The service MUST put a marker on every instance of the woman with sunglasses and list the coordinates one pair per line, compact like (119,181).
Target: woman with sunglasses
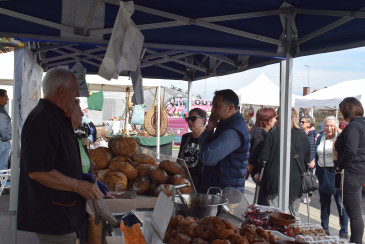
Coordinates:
(189,148)
(307,124)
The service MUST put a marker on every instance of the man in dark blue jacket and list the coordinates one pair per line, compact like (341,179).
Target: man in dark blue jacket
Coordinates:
(224,145)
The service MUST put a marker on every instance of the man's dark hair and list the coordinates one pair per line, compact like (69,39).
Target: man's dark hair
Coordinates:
(2,92)
(228,96)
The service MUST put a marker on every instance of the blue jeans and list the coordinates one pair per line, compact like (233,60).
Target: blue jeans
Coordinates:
(4,154)
(325,200)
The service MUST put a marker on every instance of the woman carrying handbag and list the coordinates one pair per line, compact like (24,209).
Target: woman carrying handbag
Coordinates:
(325,171)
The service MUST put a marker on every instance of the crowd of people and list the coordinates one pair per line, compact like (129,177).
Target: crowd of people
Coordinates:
(221,151)
(226,152)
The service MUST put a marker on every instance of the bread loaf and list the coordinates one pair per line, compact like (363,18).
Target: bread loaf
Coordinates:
(100,157)
(123,146)
(116,181)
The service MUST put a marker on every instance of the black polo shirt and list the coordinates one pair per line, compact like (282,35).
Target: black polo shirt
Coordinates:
(48,142)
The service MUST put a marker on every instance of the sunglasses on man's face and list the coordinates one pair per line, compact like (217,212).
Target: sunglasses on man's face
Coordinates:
(302,122)
(192,118)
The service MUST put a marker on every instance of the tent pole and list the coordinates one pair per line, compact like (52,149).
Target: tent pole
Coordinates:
(190,85)
(285,117)
(15,147)
(158,134)
(336,114)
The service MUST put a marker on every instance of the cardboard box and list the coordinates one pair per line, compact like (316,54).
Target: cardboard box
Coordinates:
(125,205)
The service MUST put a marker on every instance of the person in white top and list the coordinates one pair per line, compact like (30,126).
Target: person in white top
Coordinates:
(324,162)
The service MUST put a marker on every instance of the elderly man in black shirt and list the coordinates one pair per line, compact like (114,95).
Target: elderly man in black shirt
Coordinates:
(51,190)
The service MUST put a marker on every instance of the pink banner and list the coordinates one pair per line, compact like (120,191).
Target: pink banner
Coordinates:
(178,107)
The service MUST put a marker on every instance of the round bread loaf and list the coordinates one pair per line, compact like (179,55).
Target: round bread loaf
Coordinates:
(116,181)
(156,174)
(123,146)
(179,180)
(113,164)
(142,169)
(144,159)
(124,167)
(100,157)
(172,168)
(141,184)
(135,164)
(166,188)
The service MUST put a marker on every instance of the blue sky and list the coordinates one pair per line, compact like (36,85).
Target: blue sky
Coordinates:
(324,70)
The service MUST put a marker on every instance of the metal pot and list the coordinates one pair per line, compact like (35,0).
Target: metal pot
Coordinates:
(200,205)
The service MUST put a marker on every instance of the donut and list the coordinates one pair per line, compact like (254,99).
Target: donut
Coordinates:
(218,241)
(225,233)
(200,241)
(183,239)
(205,220)
(141,184)
(172,168)
(116,181)
(261,232)
(228,224)
(217,224)
(142,169)
(123,146)
(204,231)
(144,159)
(190,230)
(238,239)
(100,157)
(165,188)
(249,231)
(158,175)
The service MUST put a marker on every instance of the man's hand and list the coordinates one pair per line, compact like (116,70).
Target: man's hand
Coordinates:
(212,122)
(87,190)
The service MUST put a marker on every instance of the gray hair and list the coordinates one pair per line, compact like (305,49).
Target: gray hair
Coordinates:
(330,118)
(55,78)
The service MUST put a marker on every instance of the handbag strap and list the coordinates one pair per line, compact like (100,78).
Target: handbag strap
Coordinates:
(324,151)
(296,156)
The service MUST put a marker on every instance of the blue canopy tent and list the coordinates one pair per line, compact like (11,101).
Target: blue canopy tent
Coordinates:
(193,39)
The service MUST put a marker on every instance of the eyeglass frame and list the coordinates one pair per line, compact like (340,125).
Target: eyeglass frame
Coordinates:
(192,118)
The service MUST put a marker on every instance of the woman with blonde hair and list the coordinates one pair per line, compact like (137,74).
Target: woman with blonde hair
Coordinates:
(271,155)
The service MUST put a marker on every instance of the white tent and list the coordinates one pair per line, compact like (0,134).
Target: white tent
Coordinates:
(330,97)
(261,91)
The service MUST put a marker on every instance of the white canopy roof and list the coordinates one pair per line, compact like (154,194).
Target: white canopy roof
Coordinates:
(261,91)
(330,97)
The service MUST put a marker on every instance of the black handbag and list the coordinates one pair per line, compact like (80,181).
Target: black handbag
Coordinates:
(309,180)
(328,180)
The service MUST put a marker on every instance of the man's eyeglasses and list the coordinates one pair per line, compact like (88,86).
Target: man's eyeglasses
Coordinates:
(192,118)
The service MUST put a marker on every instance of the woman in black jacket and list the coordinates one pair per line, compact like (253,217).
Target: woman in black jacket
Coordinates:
(350,148)
(189,148)
(265,120)
(270,153)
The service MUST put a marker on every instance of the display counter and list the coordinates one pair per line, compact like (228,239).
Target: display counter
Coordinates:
(117,205)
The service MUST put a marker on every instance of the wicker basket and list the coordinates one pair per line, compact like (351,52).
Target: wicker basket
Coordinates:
(150,119)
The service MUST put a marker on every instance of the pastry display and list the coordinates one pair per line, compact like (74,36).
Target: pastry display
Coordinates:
(305,229)
(213,229)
